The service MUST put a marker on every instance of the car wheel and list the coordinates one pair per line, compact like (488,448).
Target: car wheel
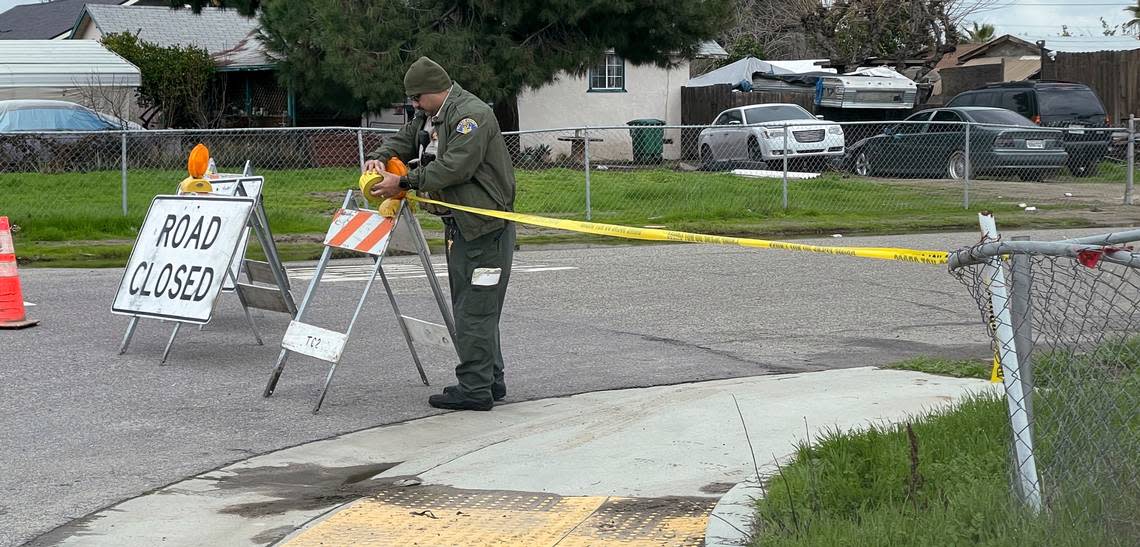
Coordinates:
(707,159)
(754,151)
(956,165)
(862,165)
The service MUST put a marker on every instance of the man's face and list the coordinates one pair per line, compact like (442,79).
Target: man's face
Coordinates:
(429,102)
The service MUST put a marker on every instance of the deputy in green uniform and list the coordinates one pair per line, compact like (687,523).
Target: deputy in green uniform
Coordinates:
(457,154)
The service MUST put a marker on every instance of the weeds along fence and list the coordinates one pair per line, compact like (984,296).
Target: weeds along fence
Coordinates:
(601,173)
(1064,319)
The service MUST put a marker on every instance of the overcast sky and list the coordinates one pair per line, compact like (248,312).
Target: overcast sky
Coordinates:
(1045,17)
(1021,17)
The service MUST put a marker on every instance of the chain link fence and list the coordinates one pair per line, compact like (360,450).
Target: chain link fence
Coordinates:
(1063,318)
(808,176)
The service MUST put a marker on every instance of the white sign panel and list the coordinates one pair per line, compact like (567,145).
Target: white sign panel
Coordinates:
(426,332)
(227,186)
(305,339)
(180,257)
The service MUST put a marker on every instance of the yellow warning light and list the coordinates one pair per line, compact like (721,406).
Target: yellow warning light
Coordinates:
(196,166)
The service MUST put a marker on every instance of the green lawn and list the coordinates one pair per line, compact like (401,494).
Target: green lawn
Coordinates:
(54,211)
(950,485)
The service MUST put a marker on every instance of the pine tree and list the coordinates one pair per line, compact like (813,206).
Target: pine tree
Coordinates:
(359,49)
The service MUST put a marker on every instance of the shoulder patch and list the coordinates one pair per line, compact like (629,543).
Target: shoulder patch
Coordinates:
(465,126)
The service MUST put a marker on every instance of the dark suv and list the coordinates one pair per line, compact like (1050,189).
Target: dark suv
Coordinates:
(1065,105)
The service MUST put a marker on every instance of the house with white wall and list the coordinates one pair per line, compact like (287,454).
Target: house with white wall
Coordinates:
(611,93)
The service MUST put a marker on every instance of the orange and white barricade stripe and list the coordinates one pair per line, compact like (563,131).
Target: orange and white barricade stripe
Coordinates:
(360,230)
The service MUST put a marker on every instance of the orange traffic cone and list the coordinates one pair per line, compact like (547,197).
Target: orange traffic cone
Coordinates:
(12,314)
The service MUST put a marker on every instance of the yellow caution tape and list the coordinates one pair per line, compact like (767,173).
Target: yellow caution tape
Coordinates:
(653,234)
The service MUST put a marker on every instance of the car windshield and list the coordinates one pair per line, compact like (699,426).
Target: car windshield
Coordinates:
(51,119)
(1069,102)
(1000,117)
(776,113)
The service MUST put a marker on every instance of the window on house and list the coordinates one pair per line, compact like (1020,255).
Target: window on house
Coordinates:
(608,75)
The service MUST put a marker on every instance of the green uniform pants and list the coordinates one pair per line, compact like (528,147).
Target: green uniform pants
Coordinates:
(478,271)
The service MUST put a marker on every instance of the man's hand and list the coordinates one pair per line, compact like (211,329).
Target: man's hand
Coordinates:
(386,187)
(373,166)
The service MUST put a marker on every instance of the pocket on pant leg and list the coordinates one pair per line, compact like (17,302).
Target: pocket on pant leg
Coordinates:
(481,300)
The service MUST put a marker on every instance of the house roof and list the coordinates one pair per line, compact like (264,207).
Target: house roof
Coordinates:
(951,59)
(711,50)
(43,21)
(1014,69)
(227,36)
(63,64)
(1064,44)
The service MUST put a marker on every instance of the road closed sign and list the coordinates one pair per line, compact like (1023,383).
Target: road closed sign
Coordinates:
(181,257)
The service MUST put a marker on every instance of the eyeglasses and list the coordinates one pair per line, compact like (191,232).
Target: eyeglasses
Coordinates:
(414,98)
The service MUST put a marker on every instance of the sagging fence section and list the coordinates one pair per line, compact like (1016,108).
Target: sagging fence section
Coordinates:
(1064,319)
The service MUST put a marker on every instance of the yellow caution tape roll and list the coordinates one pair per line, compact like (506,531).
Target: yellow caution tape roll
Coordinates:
(366,181)
(653,234)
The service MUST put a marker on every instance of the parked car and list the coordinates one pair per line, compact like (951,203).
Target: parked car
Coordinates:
(1071,106)
(756,134)
(932,144)
(46,115)
(45,135)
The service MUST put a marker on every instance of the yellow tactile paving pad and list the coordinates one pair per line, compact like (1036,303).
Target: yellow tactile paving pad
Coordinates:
(443,516)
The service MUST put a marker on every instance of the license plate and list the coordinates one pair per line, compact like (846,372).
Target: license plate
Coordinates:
(1077,129)
(1035,144)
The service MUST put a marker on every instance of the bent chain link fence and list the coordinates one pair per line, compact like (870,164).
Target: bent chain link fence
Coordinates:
(832,177)
(1064,320)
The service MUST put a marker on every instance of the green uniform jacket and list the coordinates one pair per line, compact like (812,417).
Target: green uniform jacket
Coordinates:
(472,166)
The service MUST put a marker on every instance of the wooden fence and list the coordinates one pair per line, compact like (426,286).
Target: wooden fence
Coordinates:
(1113,75)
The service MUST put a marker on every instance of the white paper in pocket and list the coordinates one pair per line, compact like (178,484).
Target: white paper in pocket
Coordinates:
(486,277)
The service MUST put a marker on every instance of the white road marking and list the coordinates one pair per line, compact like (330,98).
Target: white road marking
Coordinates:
(362,271)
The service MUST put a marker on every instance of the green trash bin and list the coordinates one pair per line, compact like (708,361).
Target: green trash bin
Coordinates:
(648,140)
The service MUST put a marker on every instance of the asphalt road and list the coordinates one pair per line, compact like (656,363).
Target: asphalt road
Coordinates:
(83,427)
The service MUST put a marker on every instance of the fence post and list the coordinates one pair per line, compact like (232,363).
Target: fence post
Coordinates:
(586,163)
(1022,270)
(1131,159)
(123,167)
(966,179)
(360,147)
(1025,469)
(784,200)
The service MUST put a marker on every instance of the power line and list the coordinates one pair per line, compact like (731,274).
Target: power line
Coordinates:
(1063,4)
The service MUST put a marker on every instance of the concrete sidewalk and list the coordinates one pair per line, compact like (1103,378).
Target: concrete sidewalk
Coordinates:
(625,466)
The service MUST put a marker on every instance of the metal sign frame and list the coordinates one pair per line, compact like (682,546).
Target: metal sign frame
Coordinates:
(272,294)
(328,345)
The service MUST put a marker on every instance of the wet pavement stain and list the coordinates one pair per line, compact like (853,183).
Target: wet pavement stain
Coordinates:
(301,487)
(79,527)
(272,535)
(717,487)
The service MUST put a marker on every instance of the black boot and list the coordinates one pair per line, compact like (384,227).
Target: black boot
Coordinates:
(498,391)
(453,400)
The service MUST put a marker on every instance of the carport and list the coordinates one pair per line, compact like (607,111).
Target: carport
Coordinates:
(81,71)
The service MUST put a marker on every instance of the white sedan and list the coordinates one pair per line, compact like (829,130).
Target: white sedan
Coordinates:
(755,133)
